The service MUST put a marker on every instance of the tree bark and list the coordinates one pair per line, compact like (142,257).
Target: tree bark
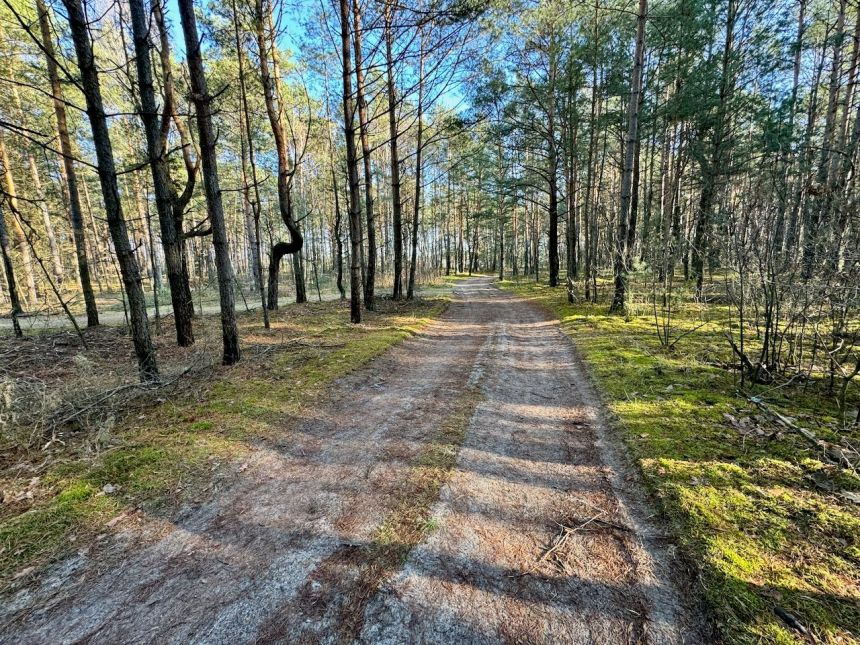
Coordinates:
(714,166)
(9,271)
(17,228)
(410,287)
(156,147)
(75,212)
(396,203)
(818,207)
(285,169)
(203,104)
(352,169)
(625,214)
(129,269)
(370,268)
(256,205)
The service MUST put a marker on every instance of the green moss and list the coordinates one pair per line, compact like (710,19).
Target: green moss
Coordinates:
(45,531)
(171,455)
(744,506)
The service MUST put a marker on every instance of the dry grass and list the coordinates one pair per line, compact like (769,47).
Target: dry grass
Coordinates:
(101,447)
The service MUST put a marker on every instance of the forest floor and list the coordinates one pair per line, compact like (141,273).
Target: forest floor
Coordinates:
(459,487)
(771,519)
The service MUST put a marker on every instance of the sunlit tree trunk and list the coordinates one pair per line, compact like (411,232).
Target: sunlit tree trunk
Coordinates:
(396,203)
(156,146)
(416,210)
(75,212)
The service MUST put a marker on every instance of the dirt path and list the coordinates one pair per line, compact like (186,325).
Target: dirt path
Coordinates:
(276,557)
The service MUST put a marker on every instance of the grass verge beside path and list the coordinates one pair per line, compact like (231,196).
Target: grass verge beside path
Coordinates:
(172,452)
(770,524)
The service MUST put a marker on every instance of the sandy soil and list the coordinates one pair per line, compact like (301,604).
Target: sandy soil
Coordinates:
(541,534)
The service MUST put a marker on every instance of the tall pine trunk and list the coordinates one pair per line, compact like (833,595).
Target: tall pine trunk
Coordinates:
(129,269)
(206,133)
(416,210)
(9,272)
(396,203)
(631,149)
(17,228)
(713,167)
(370,268)
(75,212)
(156,147)
(351,169)
(255,204)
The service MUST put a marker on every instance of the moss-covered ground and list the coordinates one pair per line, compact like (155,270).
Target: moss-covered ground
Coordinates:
(758,508)
(166,455)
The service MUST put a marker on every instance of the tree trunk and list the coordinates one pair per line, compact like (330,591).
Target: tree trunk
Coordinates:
(9,271)
(53,247)
(286,172)
(714,166)
(75,212)
(203,104)
(128,266)
(17,228)
(179,201)
(396,204)
(256,260)
(410,287)
(370,268)
(817,208)
(631,148)
(552,241)
(156,147)
(351,169)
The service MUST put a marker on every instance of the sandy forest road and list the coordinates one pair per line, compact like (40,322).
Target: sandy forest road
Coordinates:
(271,559)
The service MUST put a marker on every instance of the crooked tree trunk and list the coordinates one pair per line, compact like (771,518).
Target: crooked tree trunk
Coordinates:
(203,104)
(297,256)
(129,269)
(156,147)
(285,170)
(75,212)
(631,148)
(338,238)
(352,170)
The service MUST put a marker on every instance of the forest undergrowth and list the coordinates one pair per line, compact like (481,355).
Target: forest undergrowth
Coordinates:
(86,448)
(760,507)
